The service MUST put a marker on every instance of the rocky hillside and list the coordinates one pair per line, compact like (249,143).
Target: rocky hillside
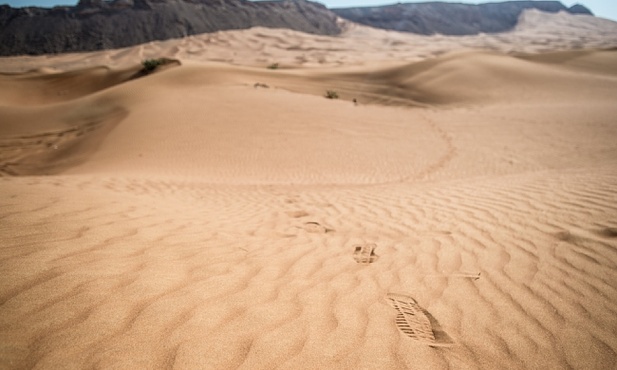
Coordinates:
(101,24)
(106,24)
(451,18)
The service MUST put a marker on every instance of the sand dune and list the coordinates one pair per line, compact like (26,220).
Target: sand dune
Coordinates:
(47,87)
(220,215)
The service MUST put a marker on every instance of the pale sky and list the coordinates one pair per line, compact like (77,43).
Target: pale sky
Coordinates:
(601,8)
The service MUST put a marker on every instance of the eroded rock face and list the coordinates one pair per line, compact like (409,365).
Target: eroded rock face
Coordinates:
(451,18)
(100,24)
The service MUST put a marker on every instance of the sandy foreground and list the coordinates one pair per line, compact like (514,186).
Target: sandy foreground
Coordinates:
(219,214)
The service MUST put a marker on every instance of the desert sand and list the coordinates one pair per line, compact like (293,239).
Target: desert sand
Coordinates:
(218,214)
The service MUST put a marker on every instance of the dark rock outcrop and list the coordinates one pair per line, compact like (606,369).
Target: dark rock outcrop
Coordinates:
(451,18)
(579,9)
(103,24)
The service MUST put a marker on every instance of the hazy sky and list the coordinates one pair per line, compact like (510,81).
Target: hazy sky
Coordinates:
(601,8)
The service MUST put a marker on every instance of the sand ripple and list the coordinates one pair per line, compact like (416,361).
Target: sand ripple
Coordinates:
(462,214)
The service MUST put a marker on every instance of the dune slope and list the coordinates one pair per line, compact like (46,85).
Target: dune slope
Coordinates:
(211,215)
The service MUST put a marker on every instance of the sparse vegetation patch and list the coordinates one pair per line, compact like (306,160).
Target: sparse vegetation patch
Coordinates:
(331,94)
(151,64)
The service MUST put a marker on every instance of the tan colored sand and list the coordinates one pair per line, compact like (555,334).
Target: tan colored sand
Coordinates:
(462,215)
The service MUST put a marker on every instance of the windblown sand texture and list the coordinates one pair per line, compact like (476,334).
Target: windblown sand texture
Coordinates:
(209,215)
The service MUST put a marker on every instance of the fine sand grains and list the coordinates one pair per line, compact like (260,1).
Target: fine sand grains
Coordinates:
(147,272)
(453,211)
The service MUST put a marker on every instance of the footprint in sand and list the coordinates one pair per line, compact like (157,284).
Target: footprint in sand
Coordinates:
(316,228)
(365,253)
(417,323)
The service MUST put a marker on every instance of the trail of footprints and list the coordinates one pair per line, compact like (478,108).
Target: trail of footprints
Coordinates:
(411,319)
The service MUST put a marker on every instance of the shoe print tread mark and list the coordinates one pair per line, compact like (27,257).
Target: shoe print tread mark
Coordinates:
(365,254)
(417,323)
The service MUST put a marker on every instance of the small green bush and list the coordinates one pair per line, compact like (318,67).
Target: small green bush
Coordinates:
(330,94)
(151,64)
(273,66)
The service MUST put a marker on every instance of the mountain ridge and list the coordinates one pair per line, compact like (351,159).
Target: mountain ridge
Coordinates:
(97,24)
(453,19)
(108,24)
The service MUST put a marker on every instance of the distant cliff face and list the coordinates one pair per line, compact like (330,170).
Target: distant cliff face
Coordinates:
(451,18)
(101,24)
(106,24)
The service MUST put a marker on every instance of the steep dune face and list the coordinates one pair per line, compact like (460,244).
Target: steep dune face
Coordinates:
(220,214)
(55,120)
